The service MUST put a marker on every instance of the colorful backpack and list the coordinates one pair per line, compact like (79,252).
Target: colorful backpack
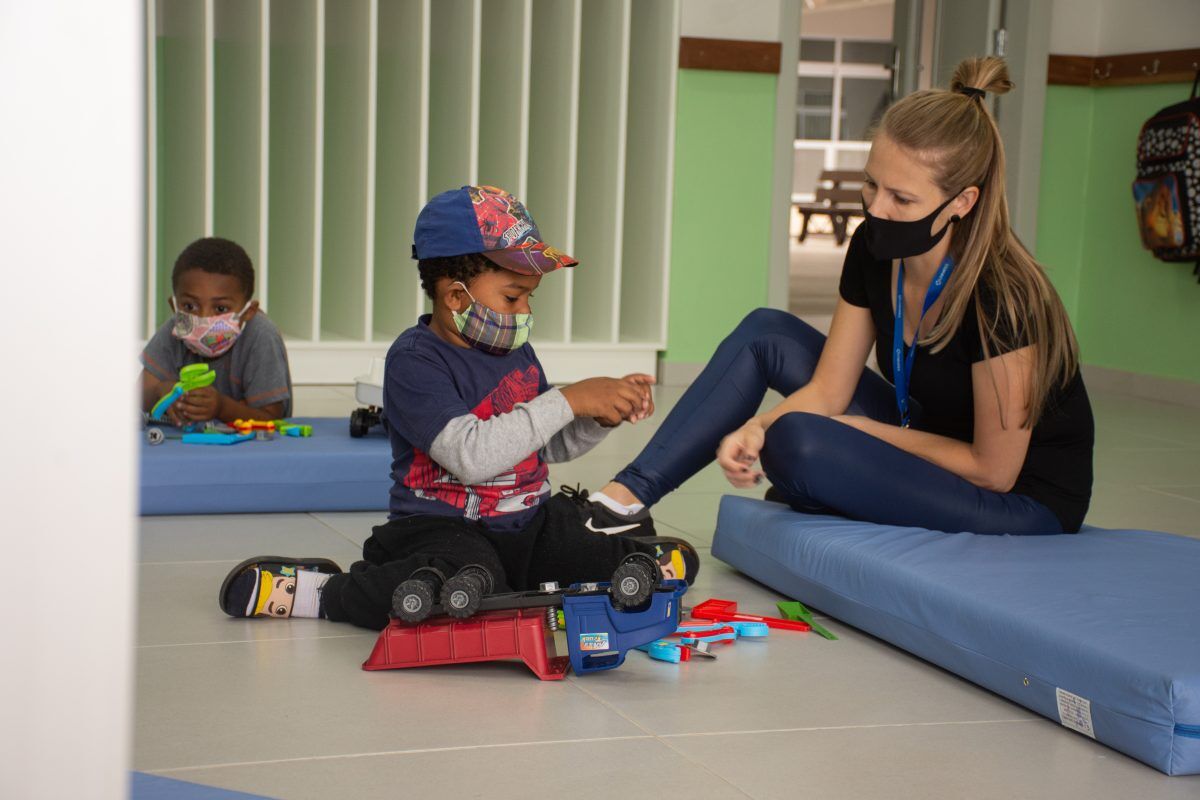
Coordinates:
(1167,188)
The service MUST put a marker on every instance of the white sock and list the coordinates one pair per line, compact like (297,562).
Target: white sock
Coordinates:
(613,505)
(307,602)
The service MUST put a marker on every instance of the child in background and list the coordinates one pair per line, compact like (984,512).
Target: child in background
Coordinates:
(473,424)
(216,322)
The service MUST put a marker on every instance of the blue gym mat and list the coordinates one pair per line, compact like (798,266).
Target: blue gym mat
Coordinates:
(155,787)
(1099,631)
(329,471)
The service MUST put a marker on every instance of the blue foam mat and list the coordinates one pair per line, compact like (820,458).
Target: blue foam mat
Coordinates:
(155,787)
(329,471)
(1100,629)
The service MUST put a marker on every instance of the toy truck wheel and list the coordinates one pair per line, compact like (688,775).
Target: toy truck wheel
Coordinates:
(633,581)
(155,436)
(480,573)
(359,424)
(462,593)
(412,601)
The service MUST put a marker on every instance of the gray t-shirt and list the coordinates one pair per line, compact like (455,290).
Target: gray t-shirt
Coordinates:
(254,371)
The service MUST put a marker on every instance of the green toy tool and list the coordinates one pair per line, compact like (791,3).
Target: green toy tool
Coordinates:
(193,376)
(791,609)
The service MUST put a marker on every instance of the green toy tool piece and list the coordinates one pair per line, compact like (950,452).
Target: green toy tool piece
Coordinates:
(285,428)
(193,376)
(791,609)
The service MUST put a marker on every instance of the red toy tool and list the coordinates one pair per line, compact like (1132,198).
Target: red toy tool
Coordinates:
(726,611)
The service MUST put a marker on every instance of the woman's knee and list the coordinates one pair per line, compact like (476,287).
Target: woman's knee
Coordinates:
(784,344)
(764,321)
(796,443)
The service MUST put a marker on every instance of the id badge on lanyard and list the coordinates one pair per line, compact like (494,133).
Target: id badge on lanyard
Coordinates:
(902,362)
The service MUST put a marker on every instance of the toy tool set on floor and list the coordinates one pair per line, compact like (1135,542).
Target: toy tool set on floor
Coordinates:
(697,638)
(439,620)
(456,620)
(719,622)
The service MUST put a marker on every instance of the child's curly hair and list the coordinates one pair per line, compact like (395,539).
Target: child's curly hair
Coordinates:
(218,256)
(456,268)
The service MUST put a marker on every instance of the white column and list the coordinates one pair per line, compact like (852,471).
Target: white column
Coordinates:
(73,215)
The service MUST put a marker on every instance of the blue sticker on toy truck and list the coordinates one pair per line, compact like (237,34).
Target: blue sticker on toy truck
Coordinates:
(593,641)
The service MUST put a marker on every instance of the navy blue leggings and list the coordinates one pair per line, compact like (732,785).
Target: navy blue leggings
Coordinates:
(816,463)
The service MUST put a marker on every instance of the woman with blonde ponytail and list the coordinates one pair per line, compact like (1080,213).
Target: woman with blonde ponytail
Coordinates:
(985,426)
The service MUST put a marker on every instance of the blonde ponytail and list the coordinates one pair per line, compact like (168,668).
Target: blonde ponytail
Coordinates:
(954,134)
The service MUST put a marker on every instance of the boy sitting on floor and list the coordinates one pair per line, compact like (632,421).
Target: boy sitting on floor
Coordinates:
(473,423)
(217,323)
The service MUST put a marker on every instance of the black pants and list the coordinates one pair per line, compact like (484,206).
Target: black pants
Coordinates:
(555,546)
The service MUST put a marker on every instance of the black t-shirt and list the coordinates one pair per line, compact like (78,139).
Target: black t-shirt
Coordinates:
(1058,467)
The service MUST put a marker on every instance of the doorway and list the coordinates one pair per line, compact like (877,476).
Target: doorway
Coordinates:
(844,84)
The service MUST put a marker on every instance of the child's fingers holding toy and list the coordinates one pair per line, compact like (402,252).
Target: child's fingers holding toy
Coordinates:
(609,400)
(644,383)
(200,405)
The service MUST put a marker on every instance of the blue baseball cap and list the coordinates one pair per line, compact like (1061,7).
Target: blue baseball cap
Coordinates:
(489,221)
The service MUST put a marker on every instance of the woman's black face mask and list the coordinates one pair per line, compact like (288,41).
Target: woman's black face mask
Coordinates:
(888,238)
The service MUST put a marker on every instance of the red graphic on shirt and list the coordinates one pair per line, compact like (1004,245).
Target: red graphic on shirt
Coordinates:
(519,488)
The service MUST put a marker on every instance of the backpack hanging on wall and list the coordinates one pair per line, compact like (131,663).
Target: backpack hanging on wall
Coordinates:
(1167,188)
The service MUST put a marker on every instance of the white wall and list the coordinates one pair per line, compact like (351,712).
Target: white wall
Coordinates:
(747,20)
(71,218)
(871,19)
(1110,27)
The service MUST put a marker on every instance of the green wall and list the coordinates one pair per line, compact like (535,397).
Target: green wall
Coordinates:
(721,223)
(1131,311)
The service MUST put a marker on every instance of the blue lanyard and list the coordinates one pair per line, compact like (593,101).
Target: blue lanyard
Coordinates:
(902,363)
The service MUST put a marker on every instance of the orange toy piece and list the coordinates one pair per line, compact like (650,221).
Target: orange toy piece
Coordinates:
(252,425)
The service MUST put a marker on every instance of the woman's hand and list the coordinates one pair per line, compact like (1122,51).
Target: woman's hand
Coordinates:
(738,454)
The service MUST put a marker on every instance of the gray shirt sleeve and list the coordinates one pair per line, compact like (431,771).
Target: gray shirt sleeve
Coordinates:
(574,440)
(260,374)
(476,450)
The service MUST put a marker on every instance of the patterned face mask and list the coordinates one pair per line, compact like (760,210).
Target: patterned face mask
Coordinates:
(490,331)
(209,337)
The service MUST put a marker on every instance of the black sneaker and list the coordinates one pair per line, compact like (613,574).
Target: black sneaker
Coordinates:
(599,518)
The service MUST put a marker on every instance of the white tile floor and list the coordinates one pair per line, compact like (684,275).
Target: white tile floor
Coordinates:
(282,709)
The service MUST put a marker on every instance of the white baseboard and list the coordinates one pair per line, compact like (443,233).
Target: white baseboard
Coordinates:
(1147,387)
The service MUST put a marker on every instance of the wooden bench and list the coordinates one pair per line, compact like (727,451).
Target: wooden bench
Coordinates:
(839,197)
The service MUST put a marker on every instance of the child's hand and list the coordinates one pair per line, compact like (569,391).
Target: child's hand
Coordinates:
(643,382)
(738,452)
(607,400)
(199,405)
(175,414)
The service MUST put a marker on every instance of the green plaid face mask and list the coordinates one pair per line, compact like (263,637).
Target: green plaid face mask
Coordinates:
(490,331)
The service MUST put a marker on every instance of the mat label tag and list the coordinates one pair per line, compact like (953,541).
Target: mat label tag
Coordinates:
(1075,712)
